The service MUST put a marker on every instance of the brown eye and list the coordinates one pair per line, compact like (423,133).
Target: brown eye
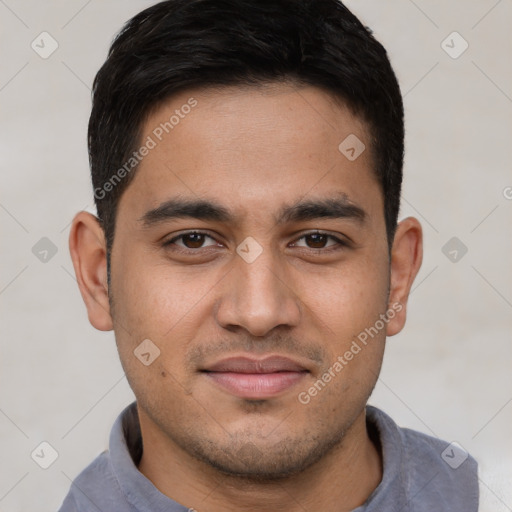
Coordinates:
(319,241)
(193,240)
(316,240)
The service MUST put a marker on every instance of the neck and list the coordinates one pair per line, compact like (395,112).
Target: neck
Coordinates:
(341,481)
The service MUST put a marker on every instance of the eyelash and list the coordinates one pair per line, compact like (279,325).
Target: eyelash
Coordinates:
(340,244)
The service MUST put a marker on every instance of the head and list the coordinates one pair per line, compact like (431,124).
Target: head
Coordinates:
(182,44)
(246,160)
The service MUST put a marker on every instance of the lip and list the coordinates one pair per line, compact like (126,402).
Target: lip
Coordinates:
(256,379)
(243,364)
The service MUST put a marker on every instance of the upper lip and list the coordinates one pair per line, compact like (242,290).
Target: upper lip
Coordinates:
(272,364)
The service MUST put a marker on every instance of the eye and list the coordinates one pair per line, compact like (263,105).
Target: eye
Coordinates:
(318,240)
(191,240)
(194,240)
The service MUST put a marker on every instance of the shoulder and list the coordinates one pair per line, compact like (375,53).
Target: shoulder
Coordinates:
(435,474)
(96,486)
(454,472)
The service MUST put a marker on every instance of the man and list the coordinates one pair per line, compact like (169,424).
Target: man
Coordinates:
(246,160)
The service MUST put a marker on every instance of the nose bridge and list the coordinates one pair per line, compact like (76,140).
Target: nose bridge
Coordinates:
(259,280)
(257,297)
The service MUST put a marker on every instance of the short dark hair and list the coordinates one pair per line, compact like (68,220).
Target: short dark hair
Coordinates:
(180,44)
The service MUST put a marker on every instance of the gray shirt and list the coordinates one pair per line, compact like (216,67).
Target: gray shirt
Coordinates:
(421,474)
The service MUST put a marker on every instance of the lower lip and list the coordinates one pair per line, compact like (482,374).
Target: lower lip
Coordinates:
(256,386)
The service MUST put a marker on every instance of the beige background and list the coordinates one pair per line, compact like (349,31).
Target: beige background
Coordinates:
(448,374)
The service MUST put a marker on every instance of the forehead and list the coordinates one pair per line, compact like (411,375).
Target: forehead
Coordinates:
(253,149)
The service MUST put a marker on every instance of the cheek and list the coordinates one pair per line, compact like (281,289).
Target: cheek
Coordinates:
(345,311)
(347,300)
(160,303)
(156,304)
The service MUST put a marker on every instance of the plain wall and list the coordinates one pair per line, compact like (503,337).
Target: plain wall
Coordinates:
(447,374)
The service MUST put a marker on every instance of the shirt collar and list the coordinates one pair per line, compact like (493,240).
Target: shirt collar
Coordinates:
(125,443)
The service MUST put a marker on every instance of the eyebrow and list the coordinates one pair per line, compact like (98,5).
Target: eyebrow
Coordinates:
(182,208)
(332,208)
(338,207)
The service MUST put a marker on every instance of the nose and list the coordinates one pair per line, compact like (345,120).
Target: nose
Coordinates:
(258,296)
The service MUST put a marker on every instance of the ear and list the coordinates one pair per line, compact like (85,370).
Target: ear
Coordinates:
(87,246)
(406,257)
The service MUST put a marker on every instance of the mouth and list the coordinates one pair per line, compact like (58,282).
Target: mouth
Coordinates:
(256,379)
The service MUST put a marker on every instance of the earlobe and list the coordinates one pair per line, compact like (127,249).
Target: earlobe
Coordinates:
(88,252)
(406,257)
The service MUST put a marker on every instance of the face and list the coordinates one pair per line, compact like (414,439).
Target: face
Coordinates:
(252,253)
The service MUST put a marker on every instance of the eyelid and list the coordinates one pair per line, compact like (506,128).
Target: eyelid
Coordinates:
(190,232)
(340,241)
